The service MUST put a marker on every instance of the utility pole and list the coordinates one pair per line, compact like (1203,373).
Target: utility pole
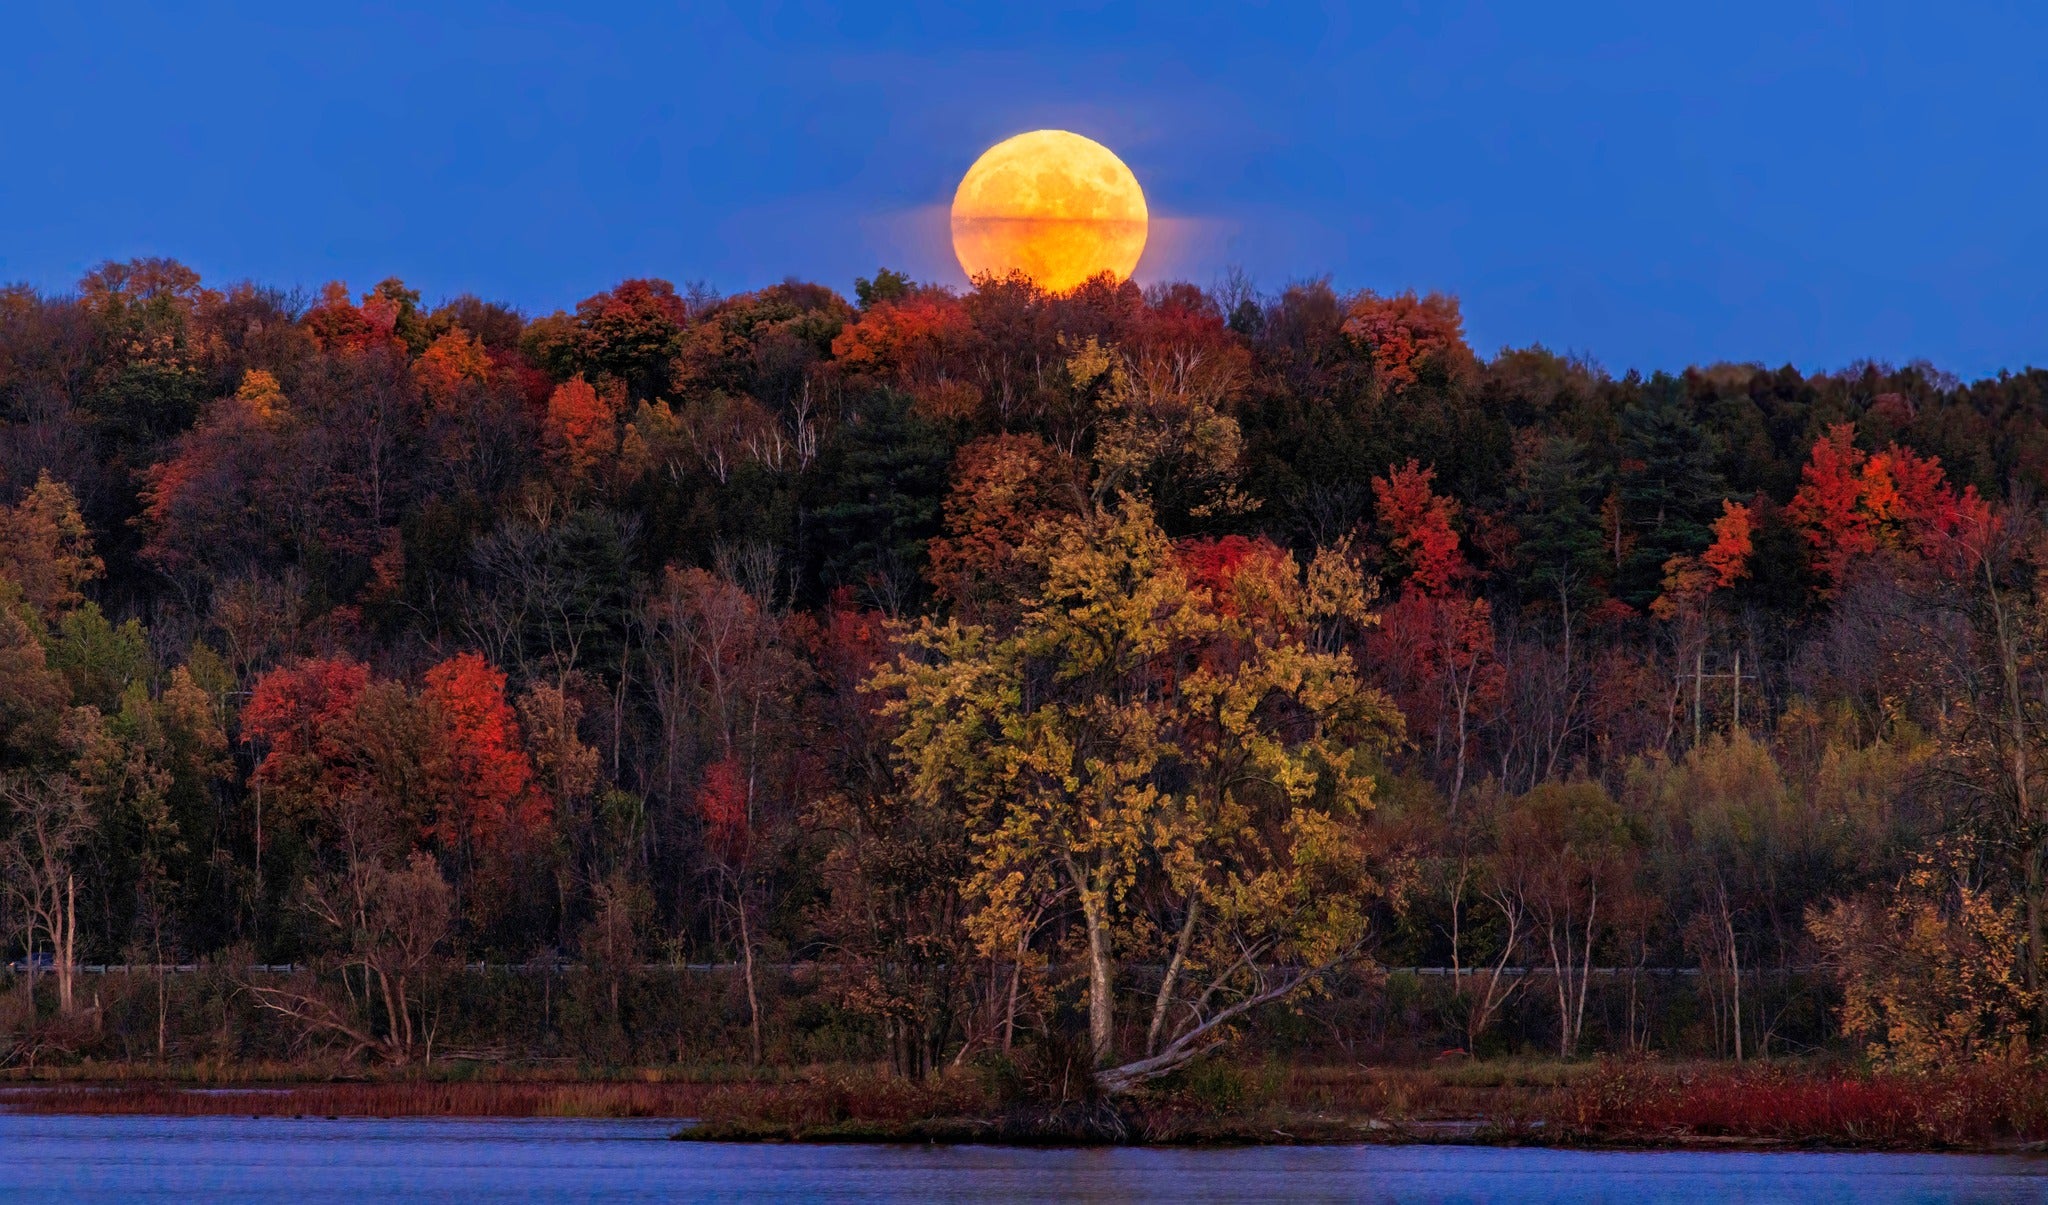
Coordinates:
(1735,677)
(1699,682)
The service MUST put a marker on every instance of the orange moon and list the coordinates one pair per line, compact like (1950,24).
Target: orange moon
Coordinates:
(1055,206)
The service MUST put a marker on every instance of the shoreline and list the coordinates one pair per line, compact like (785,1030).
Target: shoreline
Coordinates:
(828,1112)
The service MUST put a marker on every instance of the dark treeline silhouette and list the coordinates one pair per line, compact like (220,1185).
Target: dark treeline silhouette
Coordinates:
(1128,669)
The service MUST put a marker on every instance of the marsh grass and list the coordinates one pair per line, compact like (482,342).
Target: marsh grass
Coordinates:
(364,1100)
(1211,1103)
(1980,1107)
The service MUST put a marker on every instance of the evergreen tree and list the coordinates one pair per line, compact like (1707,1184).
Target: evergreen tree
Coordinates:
(875,500)
(1556,502)
(1669,488)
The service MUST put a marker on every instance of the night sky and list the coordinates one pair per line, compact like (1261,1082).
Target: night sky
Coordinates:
(1652,185)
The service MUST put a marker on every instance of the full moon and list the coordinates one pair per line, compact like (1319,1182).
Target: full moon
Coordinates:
(1055,206)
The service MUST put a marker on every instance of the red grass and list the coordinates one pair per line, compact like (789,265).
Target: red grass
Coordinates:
(1983,1106)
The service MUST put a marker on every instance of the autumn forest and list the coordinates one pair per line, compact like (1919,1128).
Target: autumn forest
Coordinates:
(931,676)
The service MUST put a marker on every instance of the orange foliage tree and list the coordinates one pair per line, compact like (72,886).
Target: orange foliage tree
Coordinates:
(451,362)
(582,428)
(917,343)
(1688,580)
(631,334)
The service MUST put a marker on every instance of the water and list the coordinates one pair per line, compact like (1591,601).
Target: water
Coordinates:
(226,1159)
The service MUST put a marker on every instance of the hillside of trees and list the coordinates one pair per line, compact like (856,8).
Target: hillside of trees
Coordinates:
(926,674)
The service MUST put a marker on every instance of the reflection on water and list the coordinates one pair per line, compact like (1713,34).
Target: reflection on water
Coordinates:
(236,1159)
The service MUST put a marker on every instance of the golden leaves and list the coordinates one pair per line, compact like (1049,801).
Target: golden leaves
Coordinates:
(1137,727)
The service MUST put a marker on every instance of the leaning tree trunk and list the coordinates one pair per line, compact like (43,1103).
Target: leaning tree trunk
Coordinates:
(1172,976)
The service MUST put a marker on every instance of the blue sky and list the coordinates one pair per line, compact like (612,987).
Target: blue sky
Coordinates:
(1650,184)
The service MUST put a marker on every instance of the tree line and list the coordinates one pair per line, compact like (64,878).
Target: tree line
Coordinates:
(1106,669)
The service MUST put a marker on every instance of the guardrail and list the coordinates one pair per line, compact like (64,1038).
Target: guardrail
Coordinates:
(557,968)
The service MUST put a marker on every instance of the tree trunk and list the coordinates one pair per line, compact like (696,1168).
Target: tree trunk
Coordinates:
(65,944)
(1483,1007)
(163,998)
(393,1044)
(1173,967)
(1560,969)
(1735,978)
(1457,904)
(1585,969)
(1101,975)
(2035,935)
(753,996)
(1010,1009)
(1463,693)
(405,1015)
(2023,802)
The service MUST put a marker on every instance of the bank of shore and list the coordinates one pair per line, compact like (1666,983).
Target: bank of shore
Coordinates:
(1509,1102)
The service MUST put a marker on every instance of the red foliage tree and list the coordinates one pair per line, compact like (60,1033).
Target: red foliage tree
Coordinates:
(448,765)
(1853,504)
(1436,656)
(722,804)
(304,714)
(1182,323)
(484,778)
(1003,487)
(917,343)
(1419,526)
(1434,646)
(1406,333)
(339,325)
(220,497)
(849,643)
(1234,570)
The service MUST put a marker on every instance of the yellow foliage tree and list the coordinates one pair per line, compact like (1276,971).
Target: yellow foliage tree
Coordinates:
(45,547)
(1164,429)
(1188,761)
(1931,973)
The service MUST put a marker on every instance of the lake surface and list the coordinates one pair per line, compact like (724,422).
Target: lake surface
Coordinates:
(308,1161)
